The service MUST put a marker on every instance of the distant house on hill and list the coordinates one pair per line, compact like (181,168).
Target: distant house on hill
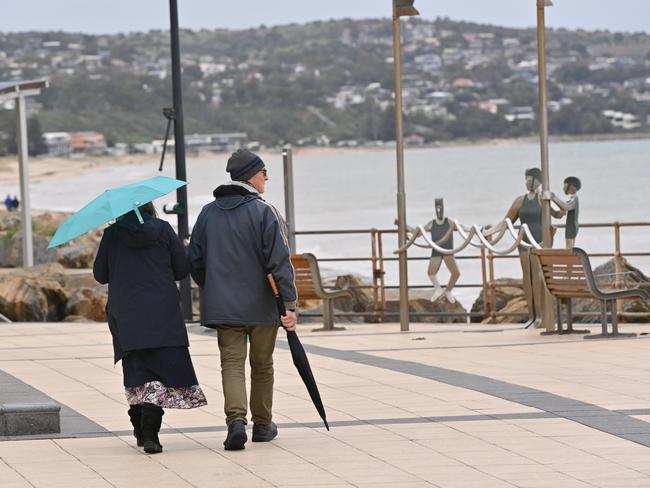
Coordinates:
(88,142)
(66,144)
(58,144)
(223,142)
(622,120)
(463,83)
(494,105)
(428,62)
(516,114)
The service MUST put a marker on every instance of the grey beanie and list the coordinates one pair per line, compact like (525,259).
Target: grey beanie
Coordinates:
(243,165)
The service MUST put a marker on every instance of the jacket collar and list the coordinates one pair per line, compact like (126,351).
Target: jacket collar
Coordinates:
(245,185)
(235,188)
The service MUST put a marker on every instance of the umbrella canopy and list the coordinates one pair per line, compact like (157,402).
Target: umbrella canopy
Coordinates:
(112,204)
(299,357)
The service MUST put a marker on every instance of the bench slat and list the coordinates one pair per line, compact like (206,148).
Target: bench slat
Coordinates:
(563,273)
(304,278)
(576,282)
(560,259)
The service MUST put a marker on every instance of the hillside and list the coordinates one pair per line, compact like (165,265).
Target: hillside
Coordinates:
(331,82)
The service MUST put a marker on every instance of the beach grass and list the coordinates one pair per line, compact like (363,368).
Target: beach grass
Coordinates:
(45,228)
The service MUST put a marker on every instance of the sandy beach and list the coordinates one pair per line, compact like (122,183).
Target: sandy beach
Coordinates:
(43,169)
(52,169)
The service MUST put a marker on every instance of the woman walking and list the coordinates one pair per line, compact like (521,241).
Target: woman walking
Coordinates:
(141,263)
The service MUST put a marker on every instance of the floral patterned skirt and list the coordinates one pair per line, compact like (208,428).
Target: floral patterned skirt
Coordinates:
(164,377)
(166,397)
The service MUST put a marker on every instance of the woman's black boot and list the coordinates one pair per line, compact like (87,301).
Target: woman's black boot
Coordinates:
(135,414)
(151,421)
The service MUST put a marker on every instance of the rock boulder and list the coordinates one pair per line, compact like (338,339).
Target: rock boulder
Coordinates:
(79,253)
(510,296)
(34,295)
(362,302)
(89,303)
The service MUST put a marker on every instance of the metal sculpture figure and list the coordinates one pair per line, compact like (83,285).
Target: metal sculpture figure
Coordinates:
(528,209)
(441,230)
(442,233)
(571,206)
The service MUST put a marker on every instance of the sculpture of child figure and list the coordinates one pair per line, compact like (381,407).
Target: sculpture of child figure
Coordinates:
(572,207)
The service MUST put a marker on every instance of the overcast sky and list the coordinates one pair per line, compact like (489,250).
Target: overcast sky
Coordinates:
(111,16)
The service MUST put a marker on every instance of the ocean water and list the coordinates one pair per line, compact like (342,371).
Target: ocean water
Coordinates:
(357,190)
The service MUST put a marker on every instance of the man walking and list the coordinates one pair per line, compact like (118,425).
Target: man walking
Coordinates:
(237,240)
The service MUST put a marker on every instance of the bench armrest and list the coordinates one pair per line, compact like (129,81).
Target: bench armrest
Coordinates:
(607,295)
(338,293)
(628,284)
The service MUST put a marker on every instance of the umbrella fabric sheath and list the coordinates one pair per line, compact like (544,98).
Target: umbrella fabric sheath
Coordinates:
(112,204)
(299,357)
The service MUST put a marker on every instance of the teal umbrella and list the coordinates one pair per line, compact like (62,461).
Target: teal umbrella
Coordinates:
(112,204)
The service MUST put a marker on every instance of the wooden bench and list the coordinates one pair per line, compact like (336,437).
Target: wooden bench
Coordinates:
(310,287)
(567,275)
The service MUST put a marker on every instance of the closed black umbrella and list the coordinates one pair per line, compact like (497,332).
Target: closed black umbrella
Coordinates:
(299,356)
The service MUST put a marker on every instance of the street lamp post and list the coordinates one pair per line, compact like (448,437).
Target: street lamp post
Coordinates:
(543,119)
(18,91)
(179,148)
(546,301)
(289,206)
(401,8)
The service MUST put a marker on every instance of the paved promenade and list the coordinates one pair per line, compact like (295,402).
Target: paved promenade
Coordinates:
(441,406)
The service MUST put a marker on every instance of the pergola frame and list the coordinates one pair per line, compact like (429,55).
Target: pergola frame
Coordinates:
(17,91)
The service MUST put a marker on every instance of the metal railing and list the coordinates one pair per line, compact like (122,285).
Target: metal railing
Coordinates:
(488,285)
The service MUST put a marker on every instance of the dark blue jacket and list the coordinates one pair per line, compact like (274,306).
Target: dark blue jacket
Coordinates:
(141,264)
(236,241)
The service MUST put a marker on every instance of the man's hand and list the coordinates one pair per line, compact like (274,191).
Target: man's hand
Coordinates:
(290,320)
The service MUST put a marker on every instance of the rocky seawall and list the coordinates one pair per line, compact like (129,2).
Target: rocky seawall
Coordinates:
(509,297)
(79,253)
(362,303)
(61,287)
(51,293)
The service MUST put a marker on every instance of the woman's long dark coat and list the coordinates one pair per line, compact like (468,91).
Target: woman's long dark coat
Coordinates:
(141,264)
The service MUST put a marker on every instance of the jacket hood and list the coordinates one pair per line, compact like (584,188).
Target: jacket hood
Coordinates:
(133,234)
(233,195)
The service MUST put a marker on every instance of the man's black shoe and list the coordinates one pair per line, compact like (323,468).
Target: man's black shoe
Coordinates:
(264,432)
(236,437)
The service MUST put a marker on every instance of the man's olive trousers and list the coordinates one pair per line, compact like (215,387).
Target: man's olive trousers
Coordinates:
(232,346)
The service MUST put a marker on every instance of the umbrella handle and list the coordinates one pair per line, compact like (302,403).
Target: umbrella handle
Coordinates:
(274,285)
(137,212)
(276,293)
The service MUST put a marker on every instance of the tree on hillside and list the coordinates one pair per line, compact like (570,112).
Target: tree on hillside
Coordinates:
(35,143)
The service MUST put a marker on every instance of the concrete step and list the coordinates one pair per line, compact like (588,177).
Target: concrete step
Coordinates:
(29,419)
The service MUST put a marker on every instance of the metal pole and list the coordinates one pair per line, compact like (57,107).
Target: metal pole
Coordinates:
(545,298)
(23,161)
(401,195)
(543,121)
(493,290)
(375,271)
(289,207)
(618,264)
(486,305)
(382,283)
(179,148)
